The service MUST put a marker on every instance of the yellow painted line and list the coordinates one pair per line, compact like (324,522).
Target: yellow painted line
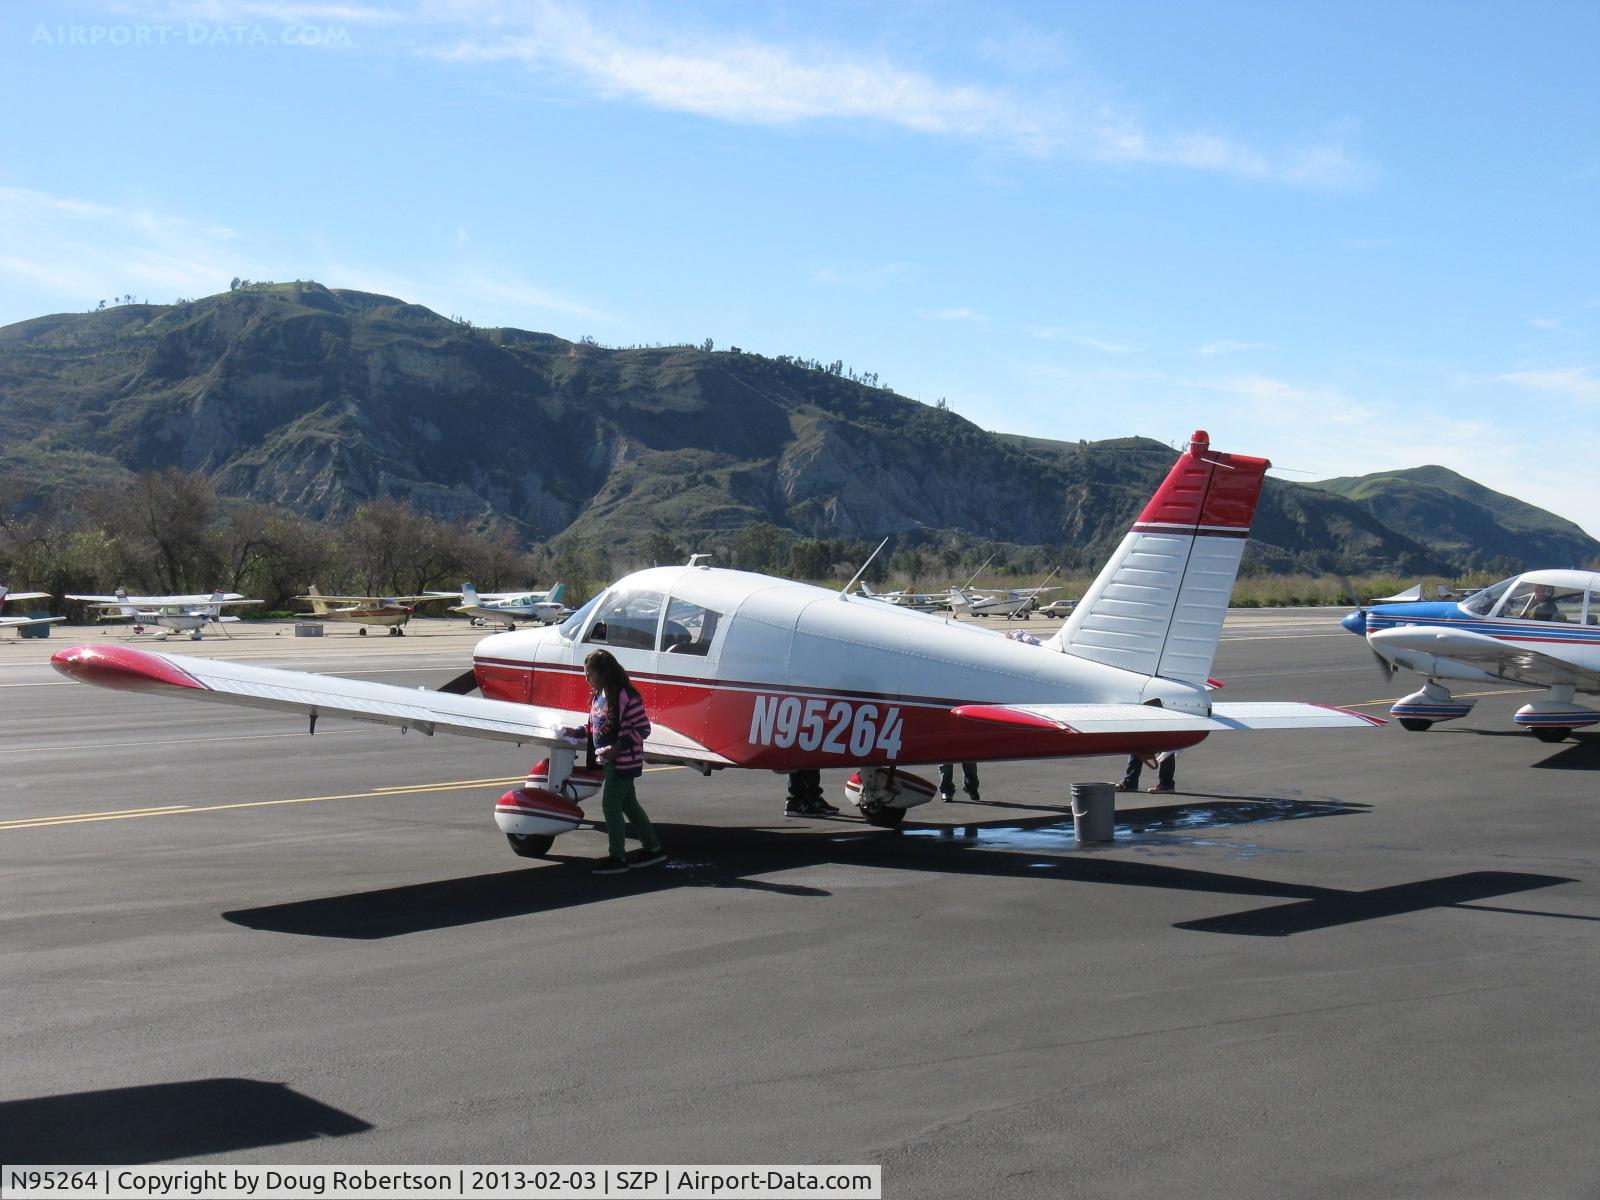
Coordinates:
(26,822)
(186,809)
(1454,695)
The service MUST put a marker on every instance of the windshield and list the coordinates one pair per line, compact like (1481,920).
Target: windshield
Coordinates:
(573,624)
(1480,603)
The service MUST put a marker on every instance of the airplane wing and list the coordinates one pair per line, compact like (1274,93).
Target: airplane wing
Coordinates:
(13,622)
(1514,661)
(1147,718)
(25,596)
(195,678)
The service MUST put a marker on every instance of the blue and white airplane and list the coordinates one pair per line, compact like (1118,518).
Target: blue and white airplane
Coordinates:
(1540,628)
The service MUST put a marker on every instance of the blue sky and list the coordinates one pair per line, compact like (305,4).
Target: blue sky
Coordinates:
(1347,236)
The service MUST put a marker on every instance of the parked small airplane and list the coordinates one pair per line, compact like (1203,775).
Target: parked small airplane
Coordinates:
(24,622)
(391,611)
(1538,628)
(916,601)
(170,614)
(1414,593)
(744,670)
(506,608)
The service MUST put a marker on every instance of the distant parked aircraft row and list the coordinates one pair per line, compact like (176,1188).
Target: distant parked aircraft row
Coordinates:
(195,614)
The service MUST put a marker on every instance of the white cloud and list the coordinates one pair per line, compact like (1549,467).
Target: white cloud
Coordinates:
(1571,383)
(1224,346)
(83,251)
(1544,322)
(1080,337)
(742,80)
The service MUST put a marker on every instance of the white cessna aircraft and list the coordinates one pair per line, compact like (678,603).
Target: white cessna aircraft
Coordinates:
(745,670)
(507,608)
(1540,628)
(170,614)
(22,622)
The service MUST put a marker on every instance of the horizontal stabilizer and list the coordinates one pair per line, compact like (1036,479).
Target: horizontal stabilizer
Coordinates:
(1147,718)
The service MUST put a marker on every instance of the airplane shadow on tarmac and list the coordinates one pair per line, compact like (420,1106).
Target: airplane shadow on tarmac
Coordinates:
(1032,848)
(1581,753)
(164,1121)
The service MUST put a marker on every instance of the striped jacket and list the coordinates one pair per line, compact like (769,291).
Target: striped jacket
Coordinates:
(626,729)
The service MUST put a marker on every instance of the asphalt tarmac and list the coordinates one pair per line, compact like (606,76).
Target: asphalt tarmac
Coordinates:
(1339,964)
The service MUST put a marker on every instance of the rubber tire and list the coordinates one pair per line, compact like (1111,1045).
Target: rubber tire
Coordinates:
(1551,735)
(886,817)
(1415,724)
(531,845)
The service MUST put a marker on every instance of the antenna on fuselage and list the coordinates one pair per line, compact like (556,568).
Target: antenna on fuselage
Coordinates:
(856,578)
(694,559)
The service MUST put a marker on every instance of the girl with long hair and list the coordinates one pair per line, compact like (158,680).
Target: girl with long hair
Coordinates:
(618,725)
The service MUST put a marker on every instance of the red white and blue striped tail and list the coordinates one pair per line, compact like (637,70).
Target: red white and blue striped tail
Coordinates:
(1157,606)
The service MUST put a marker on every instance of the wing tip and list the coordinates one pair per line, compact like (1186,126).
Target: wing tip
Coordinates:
(122,667)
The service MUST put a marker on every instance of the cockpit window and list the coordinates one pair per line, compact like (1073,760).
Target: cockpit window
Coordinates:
(1531,601)
(1481,604)
(689,629)
(573,625)
(628,620)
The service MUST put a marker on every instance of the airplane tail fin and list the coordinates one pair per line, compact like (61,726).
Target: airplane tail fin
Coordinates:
(469,596)
(319,606)
(557,594)
(123,607)
(1157,606)
(959,602)
(214,609)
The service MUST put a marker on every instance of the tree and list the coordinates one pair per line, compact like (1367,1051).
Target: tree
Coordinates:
(811,558)
(757,546)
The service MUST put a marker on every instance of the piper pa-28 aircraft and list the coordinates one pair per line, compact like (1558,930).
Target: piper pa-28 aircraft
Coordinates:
(1540,628)
(169,614)
(392,611)
(745,670)
(507,608)
(23,622)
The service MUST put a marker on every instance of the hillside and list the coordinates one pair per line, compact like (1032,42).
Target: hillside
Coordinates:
(318,399)
(1464,519)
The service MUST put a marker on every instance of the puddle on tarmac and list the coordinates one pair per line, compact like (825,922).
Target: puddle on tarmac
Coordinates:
(1164,830)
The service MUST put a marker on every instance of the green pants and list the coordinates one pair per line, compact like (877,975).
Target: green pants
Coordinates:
(618,801)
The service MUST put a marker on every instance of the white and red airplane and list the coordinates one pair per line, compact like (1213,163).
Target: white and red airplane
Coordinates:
(745,670)
(24,622)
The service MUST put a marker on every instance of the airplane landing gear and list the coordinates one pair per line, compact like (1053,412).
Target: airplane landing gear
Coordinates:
(882,794)
(1551,720)
(1420,710)
(531,845)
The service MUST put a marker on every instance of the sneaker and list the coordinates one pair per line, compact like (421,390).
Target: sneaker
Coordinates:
(821,808)
(797,808)
(1127,787)
(973,796)
(609,866)
(647,858)
(1163,787)
(947,797)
